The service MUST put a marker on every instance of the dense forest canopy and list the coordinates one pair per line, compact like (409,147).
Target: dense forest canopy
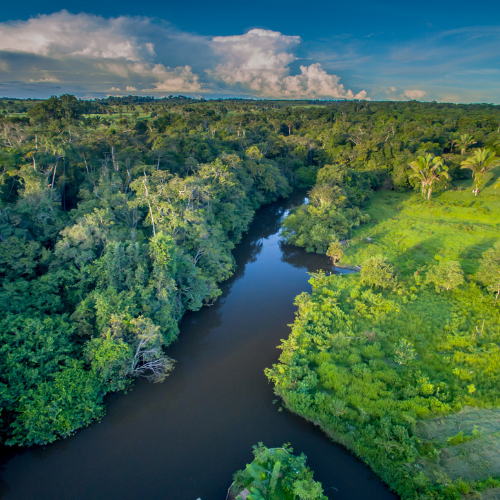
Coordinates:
(118,215)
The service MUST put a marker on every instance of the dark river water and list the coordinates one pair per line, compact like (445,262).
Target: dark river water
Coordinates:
(183,439)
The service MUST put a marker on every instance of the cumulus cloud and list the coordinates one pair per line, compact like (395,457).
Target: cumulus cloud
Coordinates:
(260,61)
(139,54)
(80,34)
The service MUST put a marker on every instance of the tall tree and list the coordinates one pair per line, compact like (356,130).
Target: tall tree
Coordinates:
(428,170)
(463,142)
(480,162)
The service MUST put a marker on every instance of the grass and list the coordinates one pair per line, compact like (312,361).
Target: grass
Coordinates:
(412,232)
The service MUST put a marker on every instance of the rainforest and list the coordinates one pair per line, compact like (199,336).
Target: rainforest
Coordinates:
(120,216)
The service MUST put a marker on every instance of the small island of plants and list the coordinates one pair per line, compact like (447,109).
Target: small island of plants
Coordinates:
(276,474)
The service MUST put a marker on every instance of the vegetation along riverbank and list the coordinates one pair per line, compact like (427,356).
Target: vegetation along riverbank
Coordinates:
(400,362)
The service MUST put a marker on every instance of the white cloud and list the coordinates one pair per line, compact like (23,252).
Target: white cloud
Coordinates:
(80,34)
(415,93)
(259,61)
(140,54)
(45,79)
(174,80)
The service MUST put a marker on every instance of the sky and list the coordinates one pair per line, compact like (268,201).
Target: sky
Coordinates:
(387,50)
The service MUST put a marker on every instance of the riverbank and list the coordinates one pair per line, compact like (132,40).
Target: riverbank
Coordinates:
(380,358)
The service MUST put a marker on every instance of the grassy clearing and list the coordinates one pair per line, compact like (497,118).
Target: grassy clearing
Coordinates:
(412,232)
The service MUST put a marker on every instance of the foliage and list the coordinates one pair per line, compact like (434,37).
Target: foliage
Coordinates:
(315,227)
(373,355)
(117,215)
(479,163)
(108,235)
(445,275)
(335,251)
(378,273)
(337,368)
(428,170)
(489,269)
(276,473)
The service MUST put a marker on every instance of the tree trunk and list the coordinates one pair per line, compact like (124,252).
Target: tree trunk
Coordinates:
(53,177)
(113,158)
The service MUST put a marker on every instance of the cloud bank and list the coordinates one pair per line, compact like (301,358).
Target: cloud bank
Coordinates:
(64,52)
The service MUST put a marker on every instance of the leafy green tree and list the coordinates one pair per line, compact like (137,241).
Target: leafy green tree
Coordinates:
(463,142)
(315,227)
(378,273)
(479,163)
(405,352)
(428,170)
(335,252)
(445,275)
(277,473)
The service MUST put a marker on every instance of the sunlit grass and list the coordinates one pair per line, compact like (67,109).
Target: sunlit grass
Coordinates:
(412,232)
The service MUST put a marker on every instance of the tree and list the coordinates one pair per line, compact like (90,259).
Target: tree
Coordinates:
(428,170)
(335,252)
(464,141)
(378,273)
(446,275)
(480,162)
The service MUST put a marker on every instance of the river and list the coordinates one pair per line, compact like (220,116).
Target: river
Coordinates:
(183,439)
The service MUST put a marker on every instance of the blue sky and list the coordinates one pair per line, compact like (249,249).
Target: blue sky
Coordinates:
(441,50)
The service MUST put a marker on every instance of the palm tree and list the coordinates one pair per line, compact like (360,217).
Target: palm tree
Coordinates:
(480,162)
(429,169)
(464,141)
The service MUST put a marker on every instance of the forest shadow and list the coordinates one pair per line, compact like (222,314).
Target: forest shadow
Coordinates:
(494,178)
(474,253)
(389,207)
(421,254)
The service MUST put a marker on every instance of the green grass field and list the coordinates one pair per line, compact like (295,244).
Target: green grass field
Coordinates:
(412,232)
